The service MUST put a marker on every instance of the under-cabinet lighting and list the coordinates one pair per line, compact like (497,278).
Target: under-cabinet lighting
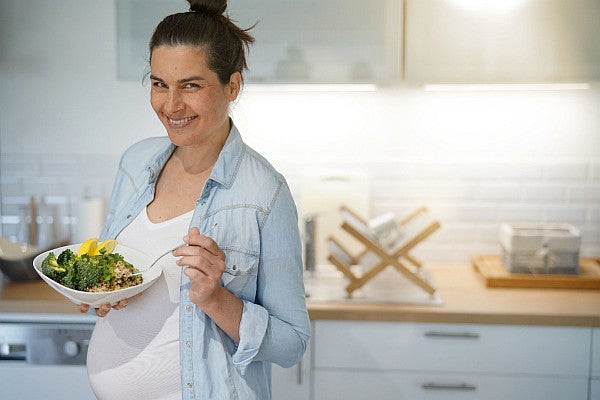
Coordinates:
(484,87)
(301,87)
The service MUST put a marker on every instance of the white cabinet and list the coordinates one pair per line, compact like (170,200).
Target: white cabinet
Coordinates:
(358,360)
(595,372)
(331,41)
(297,41)
(383,385)
(502,41)
(292,383)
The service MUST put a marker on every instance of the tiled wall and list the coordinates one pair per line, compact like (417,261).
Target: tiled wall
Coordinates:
(470,200)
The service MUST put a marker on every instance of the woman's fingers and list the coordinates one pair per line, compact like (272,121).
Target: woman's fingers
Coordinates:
(103,310)
(194,238)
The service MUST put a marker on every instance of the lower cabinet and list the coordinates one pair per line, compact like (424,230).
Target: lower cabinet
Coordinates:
(292,383)
(595,389)
(400,360)
(383,385)
(392,360)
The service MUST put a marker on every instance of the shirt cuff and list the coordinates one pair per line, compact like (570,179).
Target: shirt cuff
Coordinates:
(253,327)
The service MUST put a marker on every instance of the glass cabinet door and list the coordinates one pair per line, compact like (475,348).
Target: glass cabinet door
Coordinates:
(297,41)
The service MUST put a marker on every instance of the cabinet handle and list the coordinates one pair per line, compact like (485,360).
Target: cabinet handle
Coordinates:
(299,376)
(454,335)
(448,386)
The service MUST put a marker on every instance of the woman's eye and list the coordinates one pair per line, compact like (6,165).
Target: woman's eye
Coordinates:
(159,84)
(191,85)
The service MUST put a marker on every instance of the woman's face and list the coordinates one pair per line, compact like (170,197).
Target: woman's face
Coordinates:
(187,96)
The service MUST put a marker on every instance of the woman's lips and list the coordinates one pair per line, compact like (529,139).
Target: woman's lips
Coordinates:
(180,123)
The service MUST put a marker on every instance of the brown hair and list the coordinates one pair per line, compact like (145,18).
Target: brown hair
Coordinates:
(205,26)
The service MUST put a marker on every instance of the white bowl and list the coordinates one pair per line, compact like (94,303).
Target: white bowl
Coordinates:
(95,299)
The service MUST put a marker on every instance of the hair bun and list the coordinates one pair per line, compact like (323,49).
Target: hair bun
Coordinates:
(217,7)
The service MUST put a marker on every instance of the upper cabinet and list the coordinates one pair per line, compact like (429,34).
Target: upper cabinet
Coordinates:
(322,41)
(297,41)
(502,41)
(388,41)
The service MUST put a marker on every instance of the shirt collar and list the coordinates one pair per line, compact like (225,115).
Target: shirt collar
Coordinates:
(225,168)
(229,160)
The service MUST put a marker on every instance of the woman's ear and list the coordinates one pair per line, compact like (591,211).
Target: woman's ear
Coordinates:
(235,82)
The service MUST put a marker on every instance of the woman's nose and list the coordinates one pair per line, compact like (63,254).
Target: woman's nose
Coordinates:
(174,102)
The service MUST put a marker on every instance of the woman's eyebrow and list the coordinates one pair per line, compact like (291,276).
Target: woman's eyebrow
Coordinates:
(184,80)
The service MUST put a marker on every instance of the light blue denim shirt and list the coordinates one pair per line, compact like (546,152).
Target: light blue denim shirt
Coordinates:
(258,231)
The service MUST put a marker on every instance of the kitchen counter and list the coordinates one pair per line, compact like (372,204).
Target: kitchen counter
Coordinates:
(464,295)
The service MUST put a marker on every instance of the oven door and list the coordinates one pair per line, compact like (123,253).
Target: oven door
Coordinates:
(44,361)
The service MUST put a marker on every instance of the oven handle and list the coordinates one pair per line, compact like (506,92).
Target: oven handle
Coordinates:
(13,352)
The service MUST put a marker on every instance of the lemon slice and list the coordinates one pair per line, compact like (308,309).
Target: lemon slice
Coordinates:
(108,244)
(87,247)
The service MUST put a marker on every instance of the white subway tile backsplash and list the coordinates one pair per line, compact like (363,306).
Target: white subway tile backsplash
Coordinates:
(470,212)
(18,165)
(519,213)
(566,171)
(424,190)
(595,171)
(590,235)
(544,192)
(469,199)
(583,192)
(499,191)
(568,214)
(594,214)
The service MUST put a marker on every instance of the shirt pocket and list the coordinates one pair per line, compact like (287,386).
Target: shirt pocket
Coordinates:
(241,270)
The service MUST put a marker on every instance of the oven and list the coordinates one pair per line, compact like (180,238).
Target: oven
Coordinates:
(43,356)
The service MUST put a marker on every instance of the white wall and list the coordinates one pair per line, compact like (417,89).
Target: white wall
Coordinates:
(476,158)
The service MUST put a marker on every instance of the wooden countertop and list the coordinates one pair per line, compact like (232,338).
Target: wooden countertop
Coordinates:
(465,298)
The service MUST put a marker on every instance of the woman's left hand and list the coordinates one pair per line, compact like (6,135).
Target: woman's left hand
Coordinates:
(205,263)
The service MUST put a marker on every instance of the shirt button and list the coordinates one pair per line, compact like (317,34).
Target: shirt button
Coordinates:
(188,308)
(203,202)
(190,385)
(188,343)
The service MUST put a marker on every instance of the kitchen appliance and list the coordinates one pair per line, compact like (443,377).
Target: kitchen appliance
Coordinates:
(43,356)
(540,248)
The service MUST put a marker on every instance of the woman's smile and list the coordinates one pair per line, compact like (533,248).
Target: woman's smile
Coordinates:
(180,123)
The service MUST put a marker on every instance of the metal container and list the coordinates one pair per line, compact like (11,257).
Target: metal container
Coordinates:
(16,260)
(540,248)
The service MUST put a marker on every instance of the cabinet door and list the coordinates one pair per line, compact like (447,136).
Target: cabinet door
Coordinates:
(594,389)
(502,41)
(332,41)
(380,385)
(453,347)
(596,353)
(292,383)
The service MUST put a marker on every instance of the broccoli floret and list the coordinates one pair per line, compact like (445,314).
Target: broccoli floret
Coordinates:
(88,274)
(52,269)
(66,258)
(70,278)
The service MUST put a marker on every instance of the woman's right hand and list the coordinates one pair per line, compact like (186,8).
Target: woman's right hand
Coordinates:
(105,308)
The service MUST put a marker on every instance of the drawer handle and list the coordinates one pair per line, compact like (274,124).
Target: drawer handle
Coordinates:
(454,335)
(448,386)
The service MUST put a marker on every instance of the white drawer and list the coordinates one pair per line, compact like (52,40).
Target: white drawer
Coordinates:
(360,385)
(596,354)
(452,347)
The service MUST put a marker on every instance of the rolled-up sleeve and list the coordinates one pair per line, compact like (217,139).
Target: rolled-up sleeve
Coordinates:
(276,328)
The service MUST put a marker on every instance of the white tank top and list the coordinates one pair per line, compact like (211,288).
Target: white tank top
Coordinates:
(134,352)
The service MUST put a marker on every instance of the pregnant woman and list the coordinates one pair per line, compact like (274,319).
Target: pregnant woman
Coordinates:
(231,302)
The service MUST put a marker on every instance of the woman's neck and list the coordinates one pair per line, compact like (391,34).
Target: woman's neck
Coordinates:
(200,158)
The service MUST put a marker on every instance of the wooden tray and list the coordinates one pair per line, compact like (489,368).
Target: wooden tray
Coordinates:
(494,274)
